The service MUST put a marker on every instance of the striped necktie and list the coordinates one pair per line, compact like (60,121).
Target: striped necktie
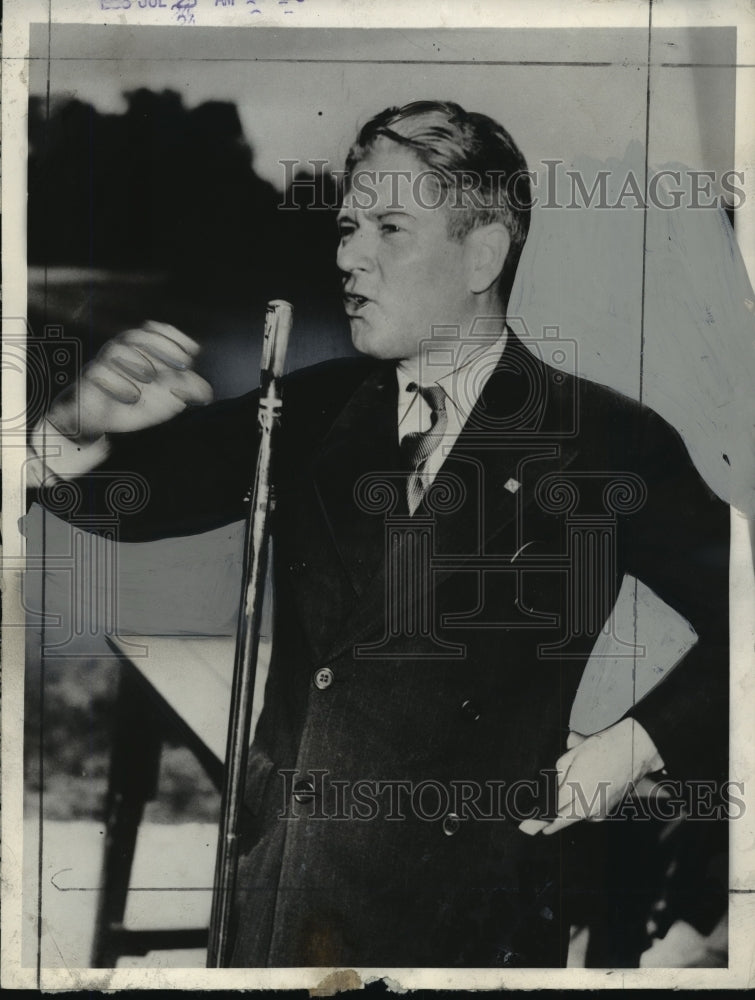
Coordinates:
(418,446)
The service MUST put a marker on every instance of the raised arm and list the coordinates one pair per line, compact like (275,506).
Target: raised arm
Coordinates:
(137,416)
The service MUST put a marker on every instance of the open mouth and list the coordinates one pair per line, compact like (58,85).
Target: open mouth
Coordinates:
(354,303)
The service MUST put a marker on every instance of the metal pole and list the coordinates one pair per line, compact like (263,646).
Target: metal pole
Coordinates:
(277,328)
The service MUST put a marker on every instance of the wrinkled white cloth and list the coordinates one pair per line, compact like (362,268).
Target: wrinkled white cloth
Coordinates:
(681,338)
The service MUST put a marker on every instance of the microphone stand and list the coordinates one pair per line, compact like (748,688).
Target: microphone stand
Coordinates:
(278,322)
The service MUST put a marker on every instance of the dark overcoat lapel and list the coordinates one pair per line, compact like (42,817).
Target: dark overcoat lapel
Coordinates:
(515,421)
(361,446)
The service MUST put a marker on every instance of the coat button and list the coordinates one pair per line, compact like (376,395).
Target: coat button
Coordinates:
(470,710)
(451,824)
(323,678)
(304,791)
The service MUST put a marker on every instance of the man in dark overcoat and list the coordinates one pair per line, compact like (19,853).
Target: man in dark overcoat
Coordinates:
(454,521)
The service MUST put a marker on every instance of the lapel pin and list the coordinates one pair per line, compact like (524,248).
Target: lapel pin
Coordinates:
(512,485)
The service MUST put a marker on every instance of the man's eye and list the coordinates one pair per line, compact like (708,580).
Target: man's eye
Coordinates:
(390,227)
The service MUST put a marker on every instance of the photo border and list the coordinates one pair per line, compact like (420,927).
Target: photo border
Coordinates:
(318,14)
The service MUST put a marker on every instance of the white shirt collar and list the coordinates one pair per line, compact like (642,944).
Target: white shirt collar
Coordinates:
(462,373)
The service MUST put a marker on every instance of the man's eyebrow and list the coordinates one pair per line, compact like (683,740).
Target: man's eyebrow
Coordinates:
(348,214)
(385,213)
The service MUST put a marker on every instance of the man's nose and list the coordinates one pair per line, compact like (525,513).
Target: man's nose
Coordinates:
(356,253)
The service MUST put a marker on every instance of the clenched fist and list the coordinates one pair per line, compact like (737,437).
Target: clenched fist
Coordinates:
(140,378)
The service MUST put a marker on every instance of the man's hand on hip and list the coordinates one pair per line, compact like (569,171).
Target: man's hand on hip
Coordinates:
(595,773)
(140,378)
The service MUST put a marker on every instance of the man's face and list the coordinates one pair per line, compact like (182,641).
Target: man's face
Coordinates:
(402,273)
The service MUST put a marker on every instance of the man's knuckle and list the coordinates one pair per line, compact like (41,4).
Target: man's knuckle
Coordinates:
(108,350)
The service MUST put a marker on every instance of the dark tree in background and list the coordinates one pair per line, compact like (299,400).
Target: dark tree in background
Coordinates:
(159,187)
(162,215)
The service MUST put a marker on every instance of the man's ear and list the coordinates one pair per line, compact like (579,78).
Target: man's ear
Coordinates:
(486,248)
